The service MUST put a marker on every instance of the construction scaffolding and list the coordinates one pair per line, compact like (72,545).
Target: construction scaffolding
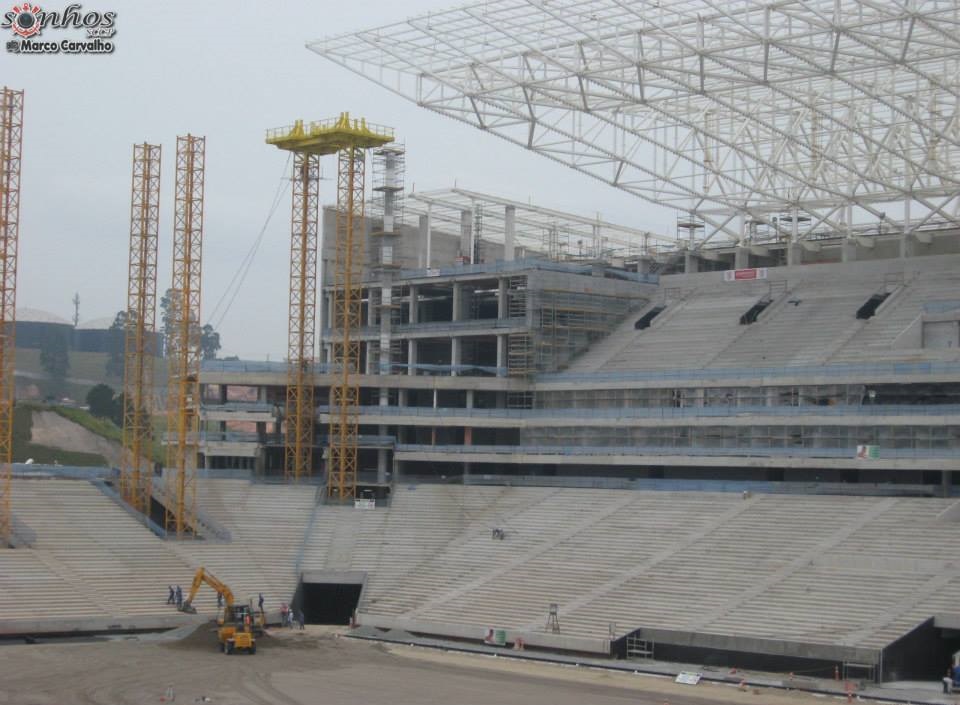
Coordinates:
(302,316)
(138,358)
(183,338)
(561,323)
(348,315)
(386,220)
(567,322)
(11,137)
(350,139)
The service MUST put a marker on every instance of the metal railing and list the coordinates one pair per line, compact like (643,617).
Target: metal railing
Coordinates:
(664,412)
(941,306)
(433,327)
(697,451)
(248,407)
(879,370)
(242,367)
(506,267)
(646,484)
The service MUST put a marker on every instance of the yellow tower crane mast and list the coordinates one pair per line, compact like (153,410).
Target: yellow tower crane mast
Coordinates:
(350,139)
(136,485)
(11,133)
(183,337)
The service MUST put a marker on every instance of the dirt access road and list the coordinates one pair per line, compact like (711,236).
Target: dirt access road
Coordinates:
(317,667)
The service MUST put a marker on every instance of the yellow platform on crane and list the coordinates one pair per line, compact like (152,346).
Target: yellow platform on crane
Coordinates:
(329,136)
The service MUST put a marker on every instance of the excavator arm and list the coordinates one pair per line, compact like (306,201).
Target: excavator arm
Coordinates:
(200,577)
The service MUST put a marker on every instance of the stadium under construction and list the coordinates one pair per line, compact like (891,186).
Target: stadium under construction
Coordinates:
(734,444)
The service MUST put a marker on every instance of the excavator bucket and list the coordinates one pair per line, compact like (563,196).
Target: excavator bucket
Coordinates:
(188,608)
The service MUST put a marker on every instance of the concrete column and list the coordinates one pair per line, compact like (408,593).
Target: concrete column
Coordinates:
(501,355)
(426,241)
(411,356)
(742,258)
(907,245)
(457,301)
(691,265)
(223,394)
(382,430)
(848,250)
(455,347)
(414,303)
(368,366)
(502,310)
(509,231)
(794,254)
(466,234)
(946,478)
(772,396)
(469,398)
(382,461)
(402,397)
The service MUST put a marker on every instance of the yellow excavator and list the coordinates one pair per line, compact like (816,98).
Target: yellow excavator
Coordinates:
(237,624)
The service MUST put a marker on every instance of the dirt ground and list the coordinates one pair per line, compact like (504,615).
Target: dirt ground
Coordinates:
(51,429)
(317,667)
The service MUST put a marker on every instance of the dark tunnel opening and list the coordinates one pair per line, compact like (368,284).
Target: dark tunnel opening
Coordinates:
(329,603)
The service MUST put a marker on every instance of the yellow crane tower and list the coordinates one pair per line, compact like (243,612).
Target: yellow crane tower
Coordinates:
(136,485)
(351,139)
(11,133)
(183,337)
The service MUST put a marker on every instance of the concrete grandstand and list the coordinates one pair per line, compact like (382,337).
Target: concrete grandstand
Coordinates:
(734,446)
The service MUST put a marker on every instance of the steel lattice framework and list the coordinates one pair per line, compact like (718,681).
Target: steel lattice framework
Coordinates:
(350,139)
(803,115)
(11,139)
(183,337)
(301,328)
(347,318)
(533,224)
(136,486)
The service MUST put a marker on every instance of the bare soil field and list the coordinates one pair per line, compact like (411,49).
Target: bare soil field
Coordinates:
(320,667)
(51,429)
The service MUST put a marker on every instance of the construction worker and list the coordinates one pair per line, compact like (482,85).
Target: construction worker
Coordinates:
(260,603)
(179,597)
(300,619)
(172,597)
(219,600)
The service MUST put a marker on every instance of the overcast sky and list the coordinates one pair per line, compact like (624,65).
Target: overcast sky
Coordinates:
(227,70)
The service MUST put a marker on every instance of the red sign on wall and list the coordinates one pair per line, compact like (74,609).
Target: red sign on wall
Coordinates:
(735,275)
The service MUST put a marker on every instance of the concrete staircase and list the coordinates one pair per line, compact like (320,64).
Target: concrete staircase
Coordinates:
(876,338)
(799,332)
(697,326)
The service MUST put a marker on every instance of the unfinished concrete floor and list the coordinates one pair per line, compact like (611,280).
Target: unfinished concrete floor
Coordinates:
(318,667)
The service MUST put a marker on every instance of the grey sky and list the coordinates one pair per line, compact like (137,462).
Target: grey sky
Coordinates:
(228,71)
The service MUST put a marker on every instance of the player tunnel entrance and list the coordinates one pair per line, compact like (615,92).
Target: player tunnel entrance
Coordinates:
(329,596)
